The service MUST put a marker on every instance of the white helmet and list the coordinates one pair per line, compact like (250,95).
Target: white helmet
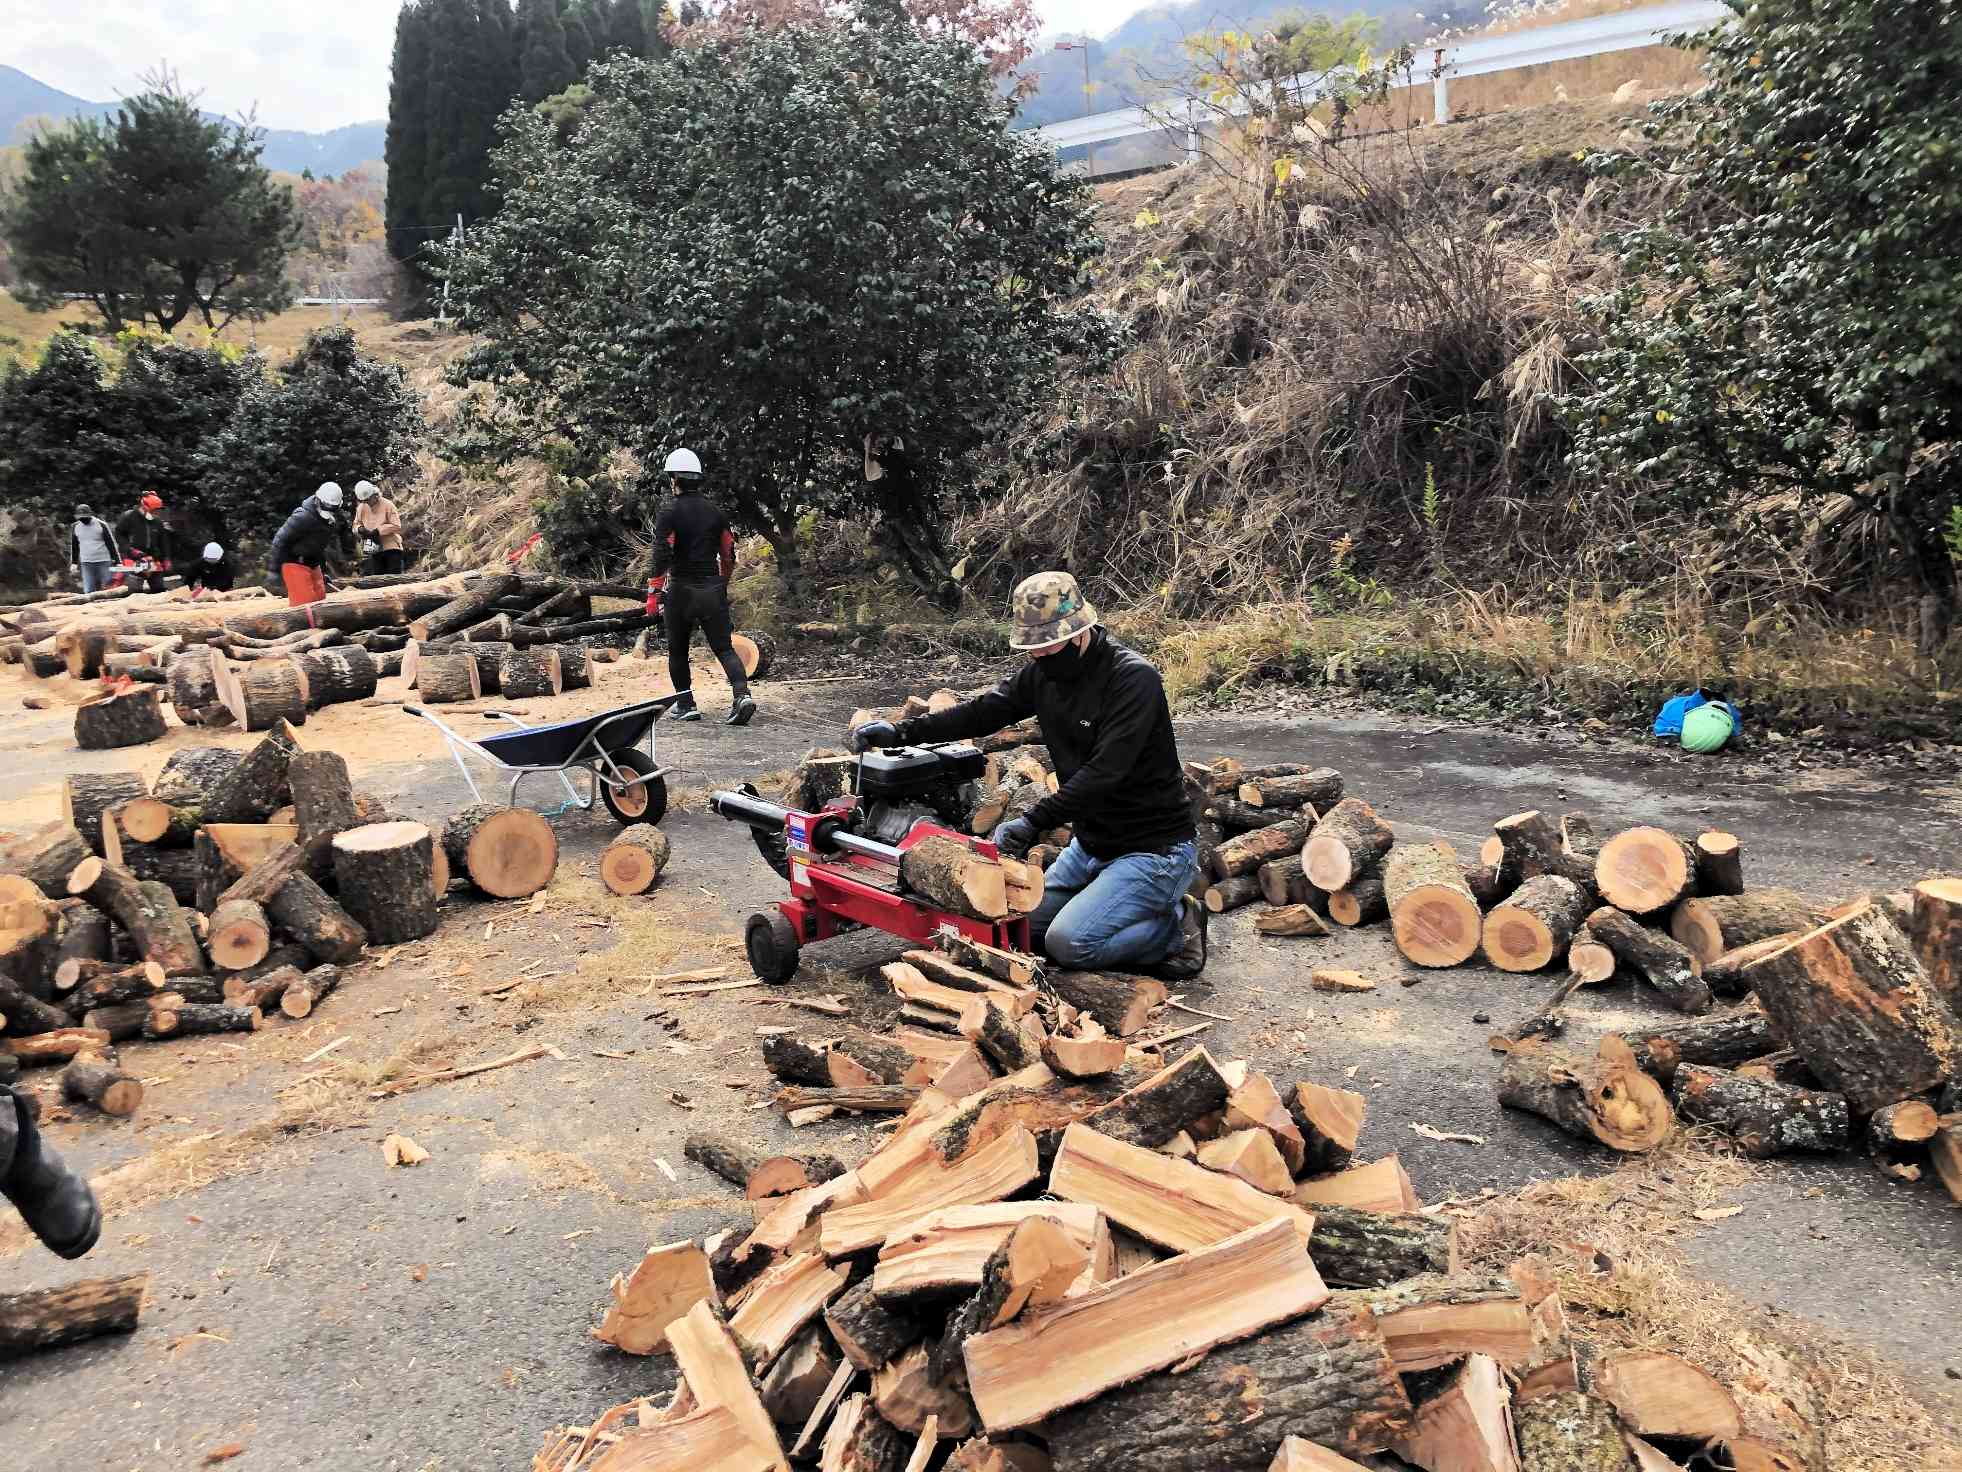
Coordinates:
(684,463)
(213,552)
(364,490)
(329,494)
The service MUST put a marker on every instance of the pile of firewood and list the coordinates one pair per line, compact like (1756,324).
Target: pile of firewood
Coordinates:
(1040,1270)
(239,882)
(453,638)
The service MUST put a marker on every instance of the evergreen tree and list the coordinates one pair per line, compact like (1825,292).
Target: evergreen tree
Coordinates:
(460,119)
(501,42)
(407,149)
(544,67)
(581,44)
(626,28)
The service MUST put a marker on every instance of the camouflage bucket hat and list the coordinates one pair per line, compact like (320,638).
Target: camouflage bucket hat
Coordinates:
(1048,608)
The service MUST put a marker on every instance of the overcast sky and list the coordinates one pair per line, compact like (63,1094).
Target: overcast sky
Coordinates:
(308,66)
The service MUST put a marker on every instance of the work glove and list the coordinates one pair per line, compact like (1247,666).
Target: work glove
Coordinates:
(1015,837)
(873,733)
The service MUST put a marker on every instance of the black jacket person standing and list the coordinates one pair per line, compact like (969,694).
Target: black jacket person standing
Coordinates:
(694,556)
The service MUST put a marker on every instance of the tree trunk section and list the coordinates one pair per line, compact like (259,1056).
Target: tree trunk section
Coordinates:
(176,869)
(263,991)
(103,1085)
(1353,1403)
(464,610)
(152,820)
(87,797)
(191,772)
(199,1019)
(48,856)
(1534,928)
(526,673)
(489,656)
(1723,1042)
(47,1318)
(444,679)
(1605,1098)
(1363,903)
(383,872)
(85,936)
(575,665)
(1318,791)
(139,982)
(954,877)
(338,676)
(241,935)
(1664,963)
(1852,1000)
(1230,894)
(505,852)
(1764,1118)
(1433,916)
(195,692)
(304,995)
(1716,923)
(1529,846)
(634,860)
(267,692)
(1719,863)
(1644,870)
(1239,817)
(1936,928)
(1285,882)
(1373,1249)
(24,1015)
(1346,845)
(302,910)
(147,911)
(323,795)
(129,719)
(1247,852)
(256,785)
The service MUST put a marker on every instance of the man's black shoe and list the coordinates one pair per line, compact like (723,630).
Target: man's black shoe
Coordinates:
(684,710)
(56,1203)
(1188,959)
(744,712)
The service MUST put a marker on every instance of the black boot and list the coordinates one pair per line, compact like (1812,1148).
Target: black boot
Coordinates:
(1187,957)
(56,1203)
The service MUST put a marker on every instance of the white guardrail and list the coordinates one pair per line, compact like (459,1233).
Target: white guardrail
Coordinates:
(1571,40)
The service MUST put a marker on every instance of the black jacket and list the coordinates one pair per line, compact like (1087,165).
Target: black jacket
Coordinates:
(307,540)
(1109,731)
(217,576)
(693,539)
(137,533)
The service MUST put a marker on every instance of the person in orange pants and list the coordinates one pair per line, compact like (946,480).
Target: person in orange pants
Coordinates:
(317,528)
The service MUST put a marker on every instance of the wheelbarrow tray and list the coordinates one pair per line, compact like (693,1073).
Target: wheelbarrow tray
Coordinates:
(562,744)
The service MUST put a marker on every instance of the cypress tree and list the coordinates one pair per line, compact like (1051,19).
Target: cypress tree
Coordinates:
(627,28)
(459,117)
(581,45)
(544,67)
(407,148)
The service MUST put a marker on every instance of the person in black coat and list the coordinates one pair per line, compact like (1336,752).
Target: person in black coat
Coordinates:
(318,531)
(213,572)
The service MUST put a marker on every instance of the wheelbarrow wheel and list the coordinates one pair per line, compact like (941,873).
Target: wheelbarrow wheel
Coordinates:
(645,801)
(772,946)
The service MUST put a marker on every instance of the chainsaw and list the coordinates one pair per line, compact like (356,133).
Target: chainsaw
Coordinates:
(842,860)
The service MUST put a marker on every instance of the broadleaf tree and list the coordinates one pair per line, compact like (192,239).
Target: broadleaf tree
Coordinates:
(769,250)
(1796,320)
(154,215)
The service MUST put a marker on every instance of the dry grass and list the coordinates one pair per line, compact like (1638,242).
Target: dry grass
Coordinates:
(22,332)
(1606,1241)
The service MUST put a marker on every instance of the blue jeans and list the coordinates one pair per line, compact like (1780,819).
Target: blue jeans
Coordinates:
(1112,912)
(95,576)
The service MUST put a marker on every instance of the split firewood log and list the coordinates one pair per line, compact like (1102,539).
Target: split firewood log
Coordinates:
(1713,924)
(1465,1425)
(1165,1103)
(1605,1098)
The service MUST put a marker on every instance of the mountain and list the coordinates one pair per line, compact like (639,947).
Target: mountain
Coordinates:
(287,149)
(1133,64)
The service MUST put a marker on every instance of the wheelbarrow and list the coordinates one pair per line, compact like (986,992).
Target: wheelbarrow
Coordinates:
(628,779)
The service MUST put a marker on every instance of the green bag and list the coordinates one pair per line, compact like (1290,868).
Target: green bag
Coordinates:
(1707,729)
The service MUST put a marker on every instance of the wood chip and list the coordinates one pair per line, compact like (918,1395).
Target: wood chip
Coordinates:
(713,986)
(1716,1213)
(401,1150)
(1170,1037)
(315,1057)
(1436,1134)
(1336,980)
(666,1169)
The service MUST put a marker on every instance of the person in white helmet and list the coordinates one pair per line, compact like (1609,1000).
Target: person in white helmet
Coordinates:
(213,571)
(378,525)
(694,557)
(316,532)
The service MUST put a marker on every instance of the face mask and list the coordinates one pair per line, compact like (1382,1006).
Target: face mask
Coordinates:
(1065,665)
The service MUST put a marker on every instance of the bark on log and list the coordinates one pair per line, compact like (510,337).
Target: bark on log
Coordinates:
(47,856)
(1569,1432)
(264,990)
(1363,903)
(215,872)
(176,869)
(1164,1104)
(1852,1000)
(756,651)
(102,1084)
(1353,1248)
(1644,870)
(117,1024)
(797,1060)
(1346,845)
(154,921)
(955,878)
(85,936)
(634,860)
(152,820)
(527,673)
(444,679)
(1487,884)
(1529,846)
(463,610)
(47,1318)
(198,1019)
(1764,1118)
(575,665)
(1239,817)
(139,982)
(1722,1042)
(87,796)
(1353,1403)
(506,852)
(1246,853)
(1534,928)
(1664,963)
(1285,882)
(1935,925)
(25,1015)
(869,1332)
(1719,863)
(338,676)
(1606,1098)
(303,911)
(302,996)
(256,785)
(323,795)
(1713,924)
(1319,790)
(195,691)
(190,774)
(489,655)
(128,719)
(1329,1121)
(1433,916)
(1230,894)
(266,693)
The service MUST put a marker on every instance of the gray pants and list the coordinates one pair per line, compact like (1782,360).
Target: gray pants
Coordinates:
(95,576)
